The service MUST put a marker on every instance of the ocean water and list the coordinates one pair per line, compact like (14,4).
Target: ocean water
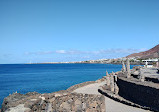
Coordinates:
(47,78)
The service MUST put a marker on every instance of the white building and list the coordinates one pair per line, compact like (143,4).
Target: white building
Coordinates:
(147,65)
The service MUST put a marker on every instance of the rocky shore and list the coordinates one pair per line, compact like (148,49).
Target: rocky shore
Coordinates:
(61,101)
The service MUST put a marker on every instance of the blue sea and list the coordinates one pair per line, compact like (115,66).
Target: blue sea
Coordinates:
(47,78)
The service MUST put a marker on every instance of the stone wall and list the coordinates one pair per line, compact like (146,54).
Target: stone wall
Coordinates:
(140,93)
(61,101)
(147,78)
(155,80)
(79,102)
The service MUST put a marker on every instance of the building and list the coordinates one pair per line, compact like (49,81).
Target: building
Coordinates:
(148,63)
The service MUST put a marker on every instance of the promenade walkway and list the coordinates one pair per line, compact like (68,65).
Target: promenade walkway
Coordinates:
(152,72)
(111,105)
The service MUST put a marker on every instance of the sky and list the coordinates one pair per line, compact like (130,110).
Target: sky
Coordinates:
(76,30)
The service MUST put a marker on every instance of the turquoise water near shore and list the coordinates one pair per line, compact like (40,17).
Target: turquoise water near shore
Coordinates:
(47,78)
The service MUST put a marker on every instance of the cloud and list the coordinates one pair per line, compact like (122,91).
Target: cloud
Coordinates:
(78,52)
(69,52)
(38,53)
(99,51)
(79,55)
(118,51)
(61,51)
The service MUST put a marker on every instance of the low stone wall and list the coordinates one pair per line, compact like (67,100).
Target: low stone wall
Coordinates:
(61,101)
(140,93)
(16,98)
(65,102)
(150,78)
(79,102)
(155,80)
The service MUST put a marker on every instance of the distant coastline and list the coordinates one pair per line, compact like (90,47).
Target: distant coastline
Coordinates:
(100,61)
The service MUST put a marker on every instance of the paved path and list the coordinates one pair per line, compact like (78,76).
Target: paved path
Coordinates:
(111,105)
(151,72)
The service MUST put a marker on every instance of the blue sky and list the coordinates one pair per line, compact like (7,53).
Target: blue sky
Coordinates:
(74,30)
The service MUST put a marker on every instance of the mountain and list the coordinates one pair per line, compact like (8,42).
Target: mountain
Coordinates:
(151,53)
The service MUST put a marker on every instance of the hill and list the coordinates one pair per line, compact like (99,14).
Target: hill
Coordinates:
(151,53)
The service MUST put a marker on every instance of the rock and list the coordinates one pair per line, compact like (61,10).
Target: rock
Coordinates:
(56,95)
(66,106)
(43,98)
(18,108)
(84,106)
(48,107)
